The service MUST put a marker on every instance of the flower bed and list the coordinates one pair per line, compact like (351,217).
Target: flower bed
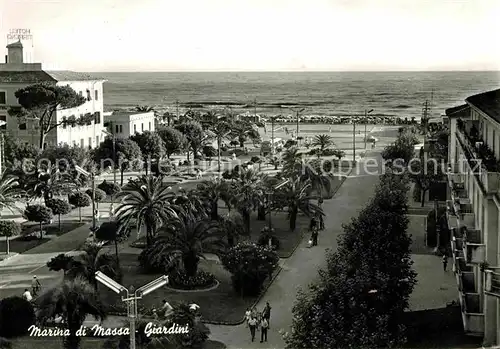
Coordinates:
(201,280)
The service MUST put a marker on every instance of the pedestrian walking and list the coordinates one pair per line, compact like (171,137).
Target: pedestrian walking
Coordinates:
(264,326)
(252,324)
(314,237)
(35,286)
(27,295)
(111,210)
(266,313)
(248,314)
(445,261)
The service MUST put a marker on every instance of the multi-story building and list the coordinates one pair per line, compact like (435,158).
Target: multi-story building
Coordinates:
(474,212)
(15,74)
(124,124)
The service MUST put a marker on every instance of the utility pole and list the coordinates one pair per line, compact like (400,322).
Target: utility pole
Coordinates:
(177,109)
(366,120)
(272,136)
(255,109)
(425,117)
(354,140)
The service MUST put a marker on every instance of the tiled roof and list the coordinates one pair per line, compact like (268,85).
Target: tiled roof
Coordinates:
(43,76)
(25,76)
(67,75)
(15,44)
(488,103)
(458,111)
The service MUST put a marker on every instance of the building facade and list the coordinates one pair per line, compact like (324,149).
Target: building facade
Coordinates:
(14,74)
(473,213)
(125,124)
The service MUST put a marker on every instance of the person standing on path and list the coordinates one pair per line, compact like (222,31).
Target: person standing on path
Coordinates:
(252,324)
(248,314)
(266,314)
(445,261)
(264,326)
(35,286)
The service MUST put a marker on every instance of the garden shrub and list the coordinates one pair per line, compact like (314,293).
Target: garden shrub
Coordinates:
(100,194)
(59,207)
(268,233)
(16,316)
(79,199)
(150,261)
(40,214)
(109,188)
(198,332)
(250,265)
(202,279)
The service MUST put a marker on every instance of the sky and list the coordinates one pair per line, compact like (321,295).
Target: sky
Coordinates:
(258,35)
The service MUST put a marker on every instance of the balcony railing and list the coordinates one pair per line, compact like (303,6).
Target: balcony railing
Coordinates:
(472,316)
(492,282)
(481,158)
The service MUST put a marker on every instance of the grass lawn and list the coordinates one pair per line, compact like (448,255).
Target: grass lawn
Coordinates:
(219,305)
(27,242)
(87,343)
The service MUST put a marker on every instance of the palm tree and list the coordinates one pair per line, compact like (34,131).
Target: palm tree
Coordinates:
(220,129)
(244,130)
(73,300)
(247,193)
(295,196)
(292,162)
(53,182)
(144,108)
(322,142)
(232,227)
(147,201)
(212,191)
(10,192)
(91,261)
(186,238)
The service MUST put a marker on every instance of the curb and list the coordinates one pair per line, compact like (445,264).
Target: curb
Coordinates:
(211,288)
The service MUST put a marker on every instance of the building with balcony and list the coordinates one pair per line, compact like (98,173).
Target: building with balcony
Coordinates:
(473,212)
(124,124)
(85,131)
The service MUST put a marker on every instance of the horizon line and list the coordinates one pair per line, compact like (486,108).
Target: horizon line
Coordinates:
(290,71)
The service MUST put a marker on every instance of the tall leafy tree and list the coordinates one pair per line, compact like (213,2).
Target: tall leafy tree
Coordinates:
(220,130)
(194,134)
(247,191)
(243,131)
(147,201)
(128,155)
(74,300)
(41,102)
(10,192)
(212,191)
(174,141)
(9,229)
(151,145)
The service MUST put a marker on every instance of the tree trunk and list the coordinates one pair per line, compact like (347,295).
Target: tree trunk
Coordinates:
(42,137)
(146,165)
(246,220)
(116,252)
(190,261)
(214,210)
(41,231)
(80,213)
(293,218)
(59,215)
(8,244)
(261,213)
(423,197)
(121,176)
(218,155)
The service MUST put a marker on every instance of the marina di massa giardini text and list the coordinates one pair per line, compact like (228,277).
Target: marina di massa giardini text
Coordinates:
(99,331)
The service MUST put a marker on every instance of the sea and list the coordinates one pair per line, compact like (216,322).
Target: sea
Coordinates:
(392,94)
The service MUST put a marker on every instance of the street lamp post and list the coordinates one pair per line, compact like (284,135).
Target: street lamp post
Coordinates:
(366,120)
(130,297)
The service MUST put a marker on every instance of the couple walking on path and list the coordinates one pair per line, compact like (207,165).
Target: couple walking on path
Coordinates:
(257,321)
